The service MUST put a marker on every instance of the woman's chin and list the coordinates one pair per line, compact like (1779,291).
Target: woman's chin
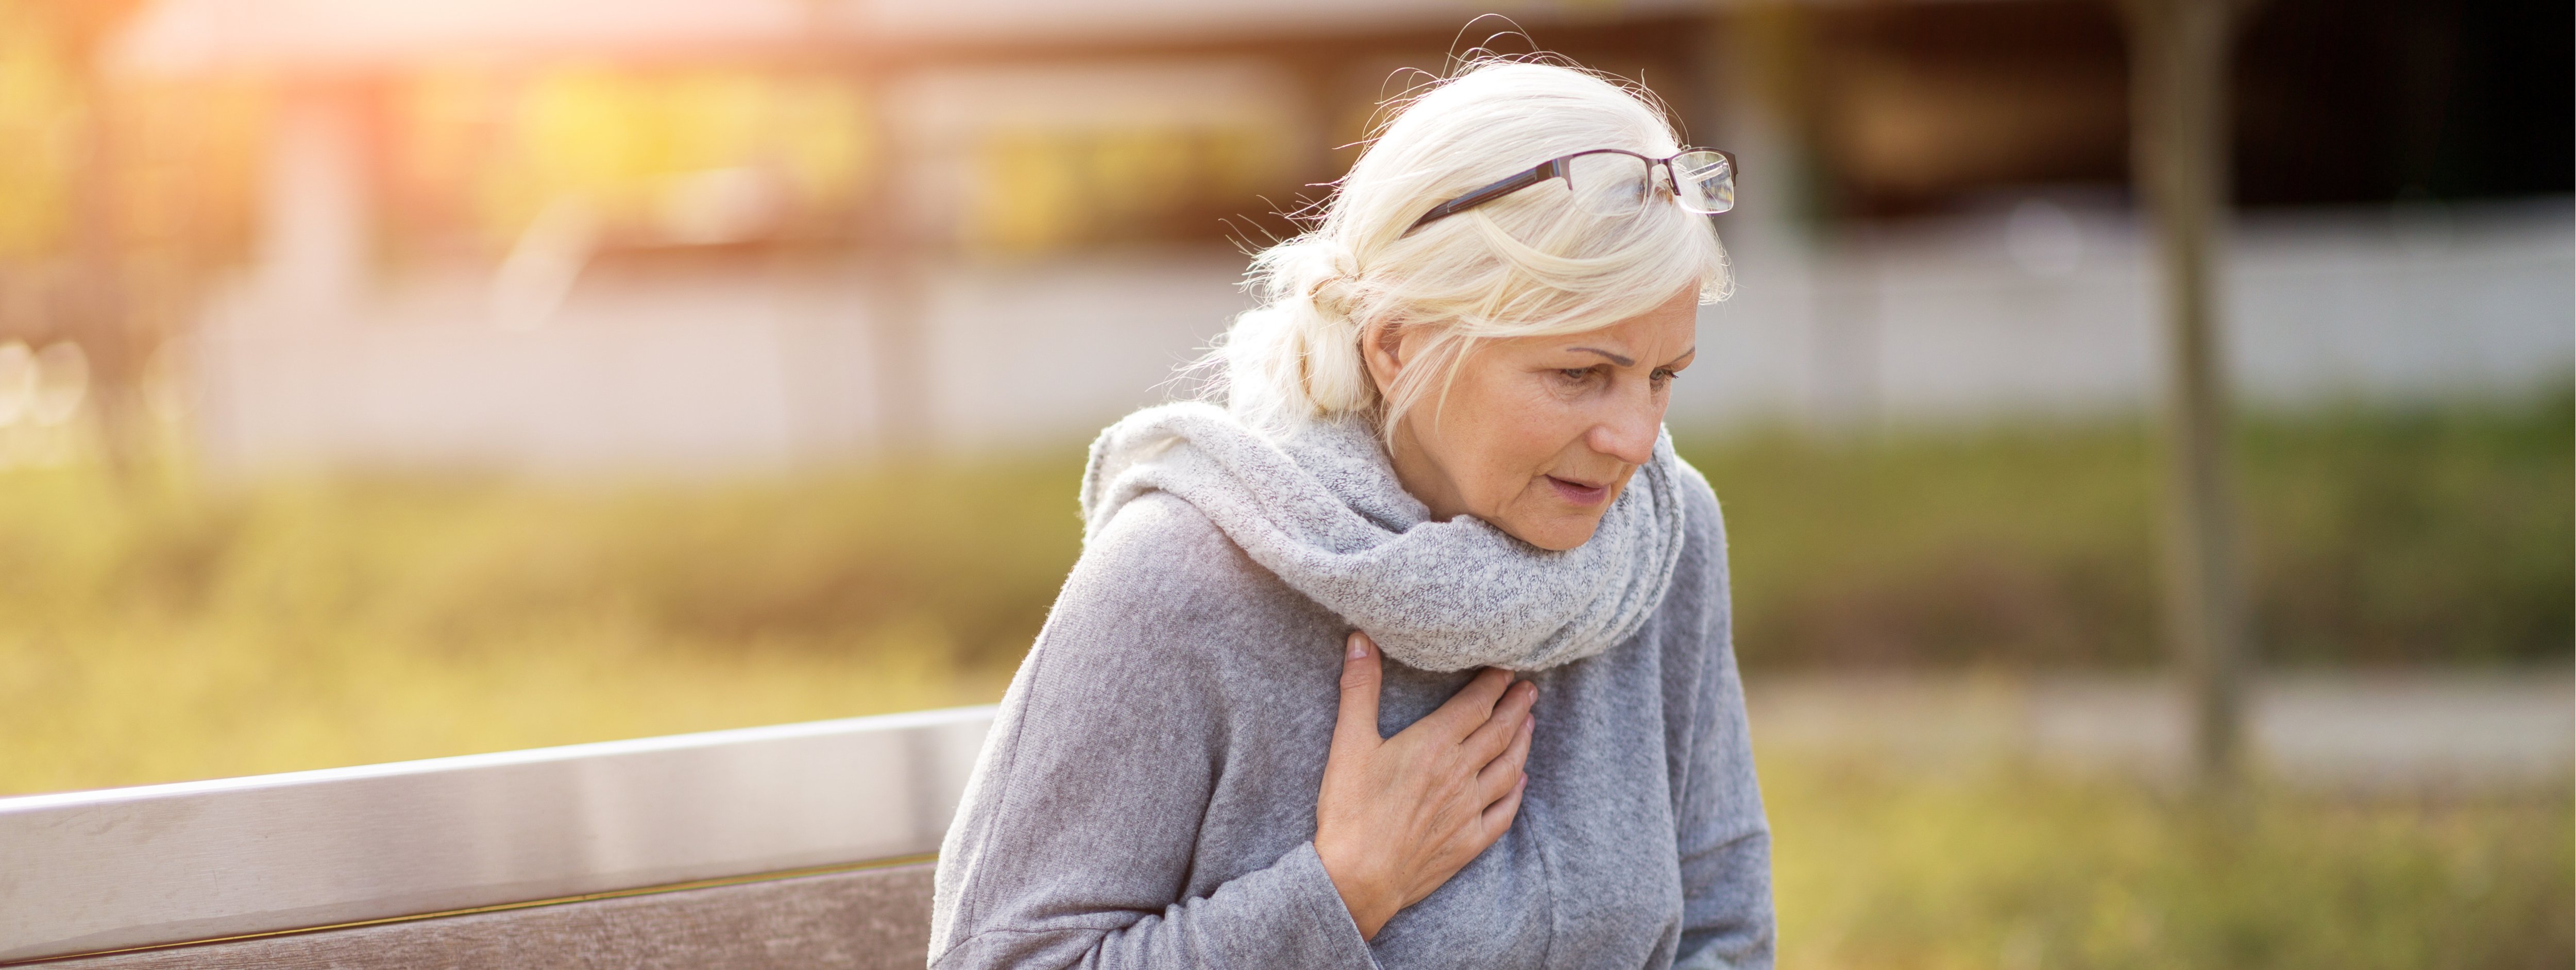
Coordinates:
(1557,532)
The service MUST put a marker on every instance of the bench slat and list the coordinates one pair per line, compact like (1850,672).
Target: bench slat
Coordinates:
(870,919)
(90,872)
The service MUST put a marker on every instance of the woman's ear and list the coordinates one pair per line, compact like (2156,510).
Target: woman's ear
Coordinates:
(1382,349)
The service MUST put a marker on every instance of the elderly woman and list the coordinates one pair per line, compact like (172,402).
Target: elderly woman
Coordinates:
(1414,653)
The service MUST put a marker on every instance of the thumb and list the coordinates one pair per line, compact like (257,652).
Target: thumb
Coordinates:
(1360,677)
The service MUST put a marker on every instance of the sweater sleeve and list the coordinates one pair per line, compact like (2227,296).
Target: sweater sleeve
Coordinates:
(1074,845)
(1725,841)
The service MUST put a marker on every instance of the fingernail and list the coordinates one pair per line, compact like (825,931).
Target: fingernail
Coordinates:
(1359,647)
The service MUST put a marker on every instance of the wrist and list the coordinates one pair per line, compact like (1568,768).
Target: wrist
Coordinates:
(1366,899)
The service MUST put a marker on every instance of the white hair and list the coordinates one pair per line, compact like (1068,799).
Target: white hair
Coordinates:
(1531,263)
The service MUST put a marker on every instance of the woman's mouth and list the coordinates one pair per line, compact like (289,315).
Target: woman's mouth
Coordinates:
(1578,492)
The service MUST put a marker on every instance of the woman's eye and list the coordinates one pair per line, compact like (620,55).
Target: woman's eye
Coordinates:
(1575,373)
(1662,377)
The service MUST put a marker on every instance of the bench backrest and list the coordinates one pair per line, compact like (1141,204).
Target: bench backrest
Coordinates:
(795,845)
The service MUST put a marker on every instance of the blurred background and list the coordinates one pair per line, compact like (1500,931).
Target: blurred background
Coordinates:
(393,379)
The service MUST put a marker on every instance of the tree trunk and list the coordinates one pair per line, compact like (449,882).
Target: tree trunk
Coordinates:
(2179,53)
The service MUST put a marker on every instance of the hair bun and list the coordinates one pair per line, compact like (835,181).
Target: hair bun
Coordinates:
(1330,277)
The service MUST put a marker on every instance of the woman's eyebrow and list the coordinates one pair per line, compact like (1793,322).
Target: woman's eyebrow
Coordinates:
(1614,358)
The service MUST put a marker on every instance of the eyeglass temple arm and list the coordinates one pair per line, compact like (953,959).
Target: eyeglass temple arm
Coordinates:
(1552,168)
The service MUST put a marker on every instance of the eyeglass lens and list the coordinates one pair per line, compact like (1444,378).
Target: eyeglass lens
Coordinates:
(1614,184)
(1608,183)
(1707,181)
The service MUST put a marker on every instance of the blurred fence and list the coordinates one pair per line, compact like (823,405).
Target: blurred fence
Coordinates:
(2039,310)
(2045,310)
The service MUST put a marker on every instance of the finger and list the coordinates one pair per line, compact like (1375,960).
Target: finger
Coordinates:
(1490,738)
(1362,672)
(1499,775)
(1497,818)
(1470,706)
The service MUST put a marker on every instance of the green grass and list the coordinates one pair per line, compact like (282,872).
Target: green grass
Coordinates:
(2013,868)
(2375,536)
(158,635)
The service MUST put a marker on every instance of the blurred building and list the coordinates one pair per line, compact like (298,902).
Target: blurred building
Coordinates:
(760,232)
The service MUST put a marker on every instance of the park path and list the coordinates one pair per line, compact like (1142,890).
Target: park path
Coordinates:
(2478,729)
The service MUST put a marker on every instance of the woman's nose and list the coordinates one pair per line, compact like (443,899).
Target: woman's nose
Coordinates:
(1628,432)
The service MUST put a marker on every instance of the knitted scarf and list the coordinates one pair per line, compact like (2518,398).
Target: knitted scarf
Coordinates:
(1320,507)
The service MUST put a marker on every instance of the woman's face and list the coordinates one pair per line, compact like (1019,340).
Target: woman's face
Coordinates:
(1538,435)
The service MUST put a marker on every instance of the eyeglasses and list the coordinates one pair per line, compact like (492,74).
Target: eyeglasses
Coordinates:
(1614,182)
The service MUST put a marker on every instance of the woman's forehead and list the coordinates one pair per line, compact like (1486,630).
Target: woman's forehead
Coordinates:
(1655,336)
(1627,344)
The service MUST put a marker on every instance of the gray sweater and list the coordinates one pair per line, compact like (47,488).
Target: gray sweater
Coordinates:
(1147,796)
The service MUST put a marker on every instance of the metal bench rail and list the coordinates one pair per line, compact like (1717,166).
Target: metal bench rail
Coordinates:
(119,869)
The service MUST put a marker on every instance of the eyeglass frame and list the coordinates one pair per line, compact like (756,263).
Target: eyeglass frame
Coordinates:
(1558,168)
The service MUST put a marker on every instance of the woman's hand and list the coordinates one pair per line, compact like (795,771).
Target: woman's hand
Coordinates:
(1398,816)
